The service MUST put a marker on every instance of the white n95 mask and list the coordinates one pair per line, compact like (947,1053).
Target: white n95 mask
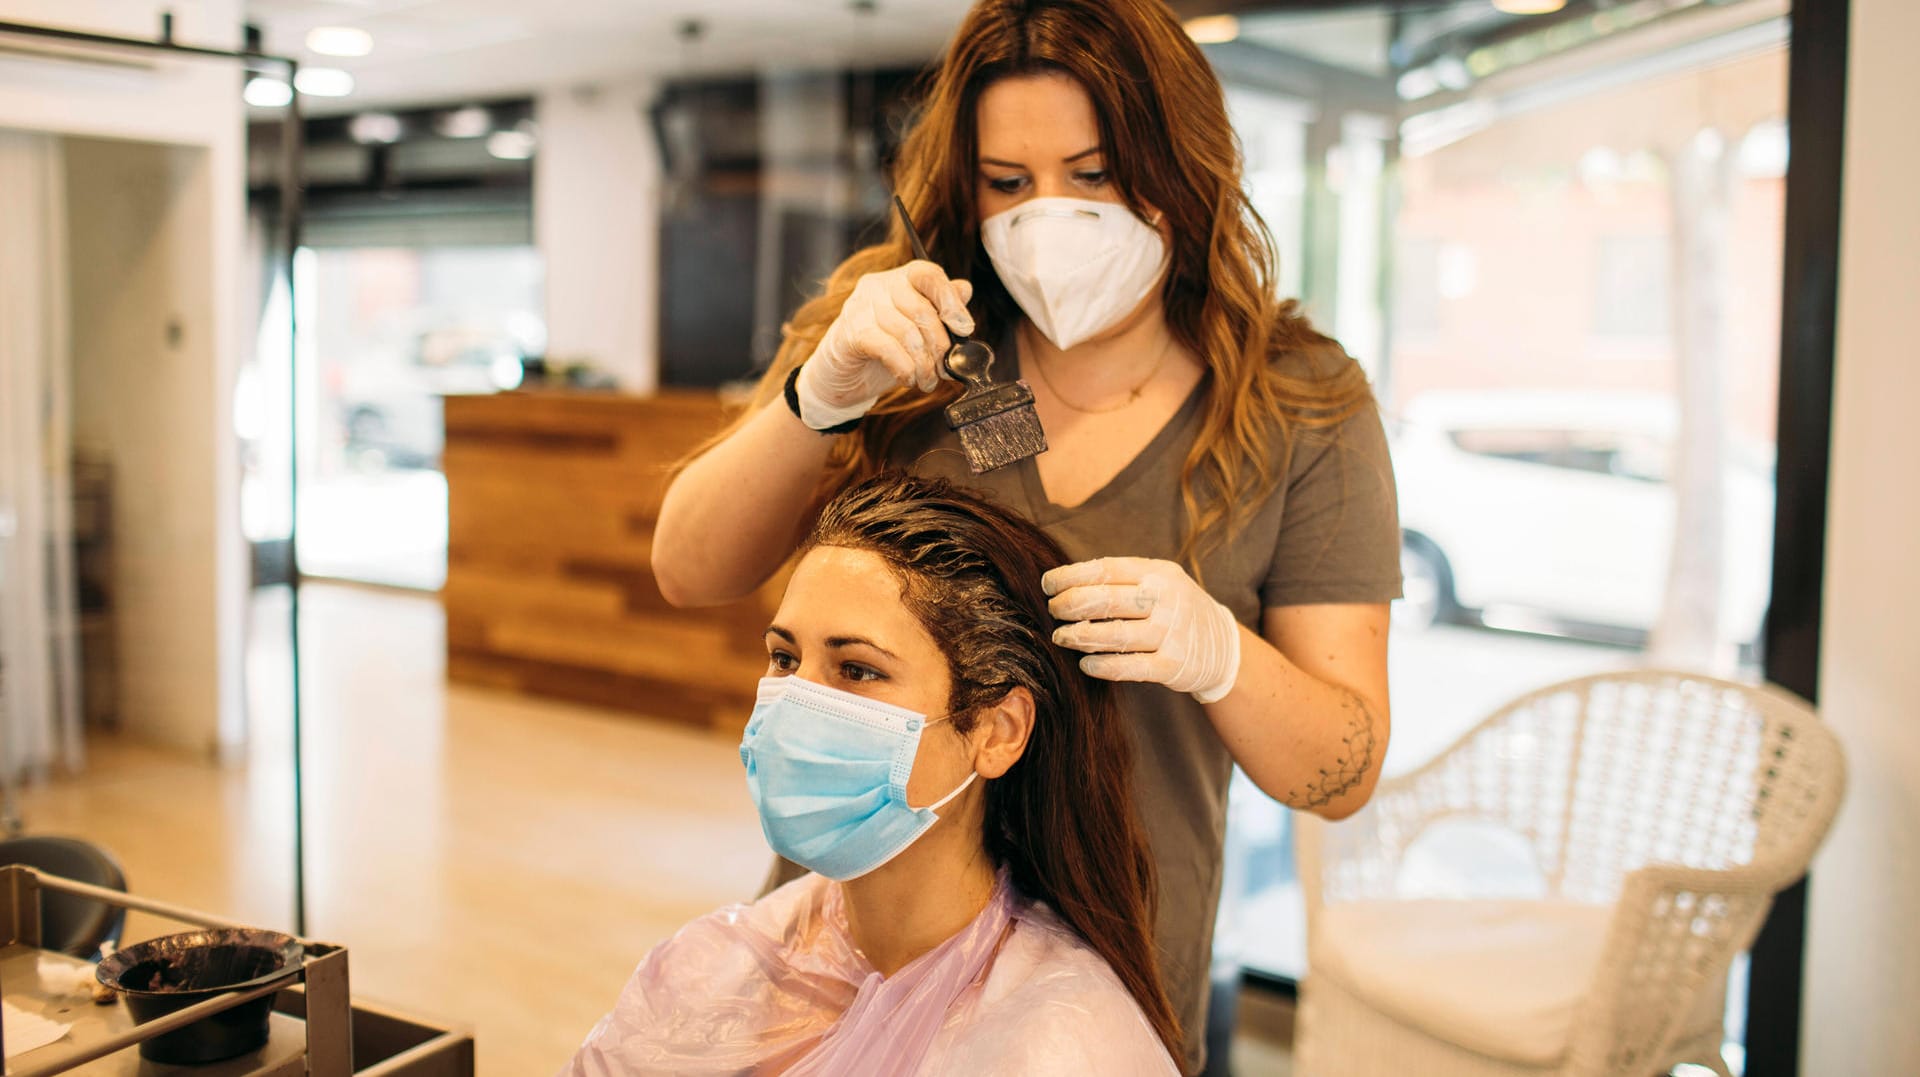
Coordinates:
(1076,267)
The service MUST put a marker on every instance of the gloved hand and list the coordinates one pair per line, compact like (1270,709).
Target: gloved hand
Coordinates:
(891,331)
(1145,620)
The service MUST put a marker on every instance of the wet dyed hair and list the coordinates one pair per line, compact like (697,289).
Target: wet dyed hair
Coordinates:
(1168,144)
(1062,818)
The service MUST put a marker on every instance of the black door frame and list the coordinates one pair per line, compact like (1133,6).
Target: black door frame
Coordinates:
(1816,124)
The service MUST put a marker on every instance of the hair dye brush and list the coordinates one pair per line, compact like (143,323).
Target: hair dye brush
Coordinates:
(996,423)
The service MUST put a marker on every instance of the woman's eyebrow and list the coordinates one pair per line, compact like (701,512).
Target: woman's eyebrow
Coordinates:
(776,630)
(1088,152)
(858,641)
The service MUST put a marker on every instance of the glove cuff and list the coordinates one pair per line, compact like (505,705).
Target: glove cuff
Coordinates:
(1229,672)
(807,407)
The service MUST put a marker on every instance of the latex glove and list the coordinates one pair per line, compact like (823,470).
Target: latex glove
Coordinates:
(892,331)
(1145,620)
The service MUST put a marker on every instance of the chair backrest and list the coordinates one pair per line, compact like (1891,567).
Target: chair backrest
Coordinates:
(1608,773)
(69,924)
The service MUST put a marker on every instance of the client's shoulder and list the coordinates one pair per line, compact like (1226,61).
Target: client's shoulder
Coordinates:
(1055,1006)
(742,947)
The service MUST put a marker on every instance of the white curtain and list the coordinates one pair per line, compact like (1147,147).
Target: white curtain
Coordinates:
(40,723)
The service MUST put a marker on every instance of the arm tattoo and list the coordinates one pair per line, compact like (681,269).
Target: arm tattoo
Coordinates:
(1350,765)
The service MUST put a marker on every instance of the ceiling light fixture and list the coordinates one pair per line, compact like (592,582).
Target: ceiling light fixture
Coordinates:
(1529,7)
(324,81)
(515,145)
(469,122)
(339,41)
(1213,29)
(263,92)
(383,127)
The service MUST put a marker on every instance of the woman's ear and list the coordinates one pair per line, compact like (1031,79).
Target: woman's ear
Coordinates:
(1001,731)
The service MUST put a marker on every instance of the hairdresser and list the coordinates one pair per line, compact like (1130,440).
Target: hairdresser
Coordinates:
(1216,467)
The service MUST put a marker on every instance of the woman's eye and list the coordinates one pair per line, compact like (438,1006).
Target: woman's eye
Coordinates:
(854,671)
(1092,178)
(1008,184)
(781,662)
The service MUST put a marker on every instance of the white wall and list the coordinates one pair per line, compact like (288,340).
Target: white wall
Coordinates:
(144,340)
(1863,952)
(155,98)
(596,216)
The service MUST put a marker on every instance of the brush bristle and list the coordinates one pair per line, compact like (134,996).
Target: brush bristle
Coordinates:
(1002,438)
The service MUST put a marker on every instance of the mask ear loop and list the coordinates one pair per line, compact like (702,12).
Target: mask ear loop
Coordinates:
(942,802)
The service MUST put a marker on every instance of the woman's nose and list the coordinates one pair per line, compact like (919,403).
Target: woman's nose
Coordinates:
(1052,186)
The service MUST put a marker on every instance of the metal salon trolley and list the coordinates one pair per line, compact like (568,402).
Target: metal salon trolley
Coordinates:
(315,1028)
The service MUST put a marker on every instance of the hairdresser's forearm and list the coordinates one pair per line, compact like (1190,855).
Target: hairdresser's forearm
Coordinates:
(1313,742)
(732,516)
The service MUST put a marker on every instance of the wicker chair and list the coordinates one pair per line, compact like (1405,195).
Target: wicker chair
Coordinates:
(1661,813)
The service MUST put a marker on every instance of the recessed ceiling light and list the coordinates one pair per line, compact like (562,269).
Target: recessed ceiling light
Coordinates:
(1529,7)
(470,122)
(511,145)
(324,81)
(339,41)
(374,127)
(262,92)
(1213,29)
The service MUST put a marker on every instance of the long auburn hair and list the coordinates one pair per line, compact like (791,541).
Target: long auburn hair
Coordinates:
(1062,819)
(1168,144)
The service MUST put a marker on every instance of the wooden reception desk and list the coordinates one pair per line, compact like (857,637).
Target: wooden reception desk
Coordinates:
(551,502)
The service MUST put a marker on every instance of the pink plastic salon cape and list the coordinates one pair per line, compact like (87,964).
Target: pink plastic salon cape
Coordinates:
(777,987)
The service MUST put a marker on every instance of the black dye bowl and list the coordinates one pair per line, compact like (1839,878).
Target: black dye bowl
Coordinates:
(162,975)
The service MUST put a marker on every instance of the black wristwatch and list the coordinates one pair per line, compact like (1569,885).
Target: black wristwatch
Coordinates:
(793,402)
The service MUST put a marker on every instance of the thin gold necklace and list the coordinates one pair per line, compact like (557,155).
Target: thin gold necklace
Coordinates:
(1133,395)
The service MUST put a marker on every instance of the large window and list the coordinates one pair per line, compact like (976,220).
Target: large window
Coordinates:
(1564,275)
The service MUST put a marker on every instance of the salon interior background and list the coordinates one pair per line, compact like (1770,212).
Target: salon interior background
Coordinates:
(630,195)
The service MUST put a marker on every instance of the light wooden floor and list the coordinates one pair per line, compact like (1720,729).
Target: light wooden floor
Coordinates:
(487,859)
(493,860)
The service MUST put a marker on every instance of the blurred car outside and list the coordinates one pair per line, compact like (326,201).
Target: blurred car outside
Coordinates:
(1520,506)
(388,401)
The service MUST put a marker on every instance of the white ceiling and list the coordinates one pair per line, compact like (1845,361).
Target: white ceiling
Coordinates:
(1351,39)
(438,51)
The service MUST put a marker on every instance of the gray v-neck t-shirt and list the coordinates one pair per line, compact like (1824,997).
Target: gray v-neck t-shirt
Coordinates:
(1328,533)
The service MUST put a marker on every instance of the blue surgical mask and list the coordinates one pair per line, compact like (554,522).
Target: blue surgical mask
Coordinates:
(828,771)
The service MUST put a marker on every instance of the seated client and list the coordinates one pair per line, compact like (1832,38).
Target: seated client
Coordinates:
(980,891)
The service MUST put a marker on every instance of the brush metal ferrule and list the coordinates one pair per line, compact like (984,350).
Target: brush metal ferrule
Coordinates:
(986,403)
